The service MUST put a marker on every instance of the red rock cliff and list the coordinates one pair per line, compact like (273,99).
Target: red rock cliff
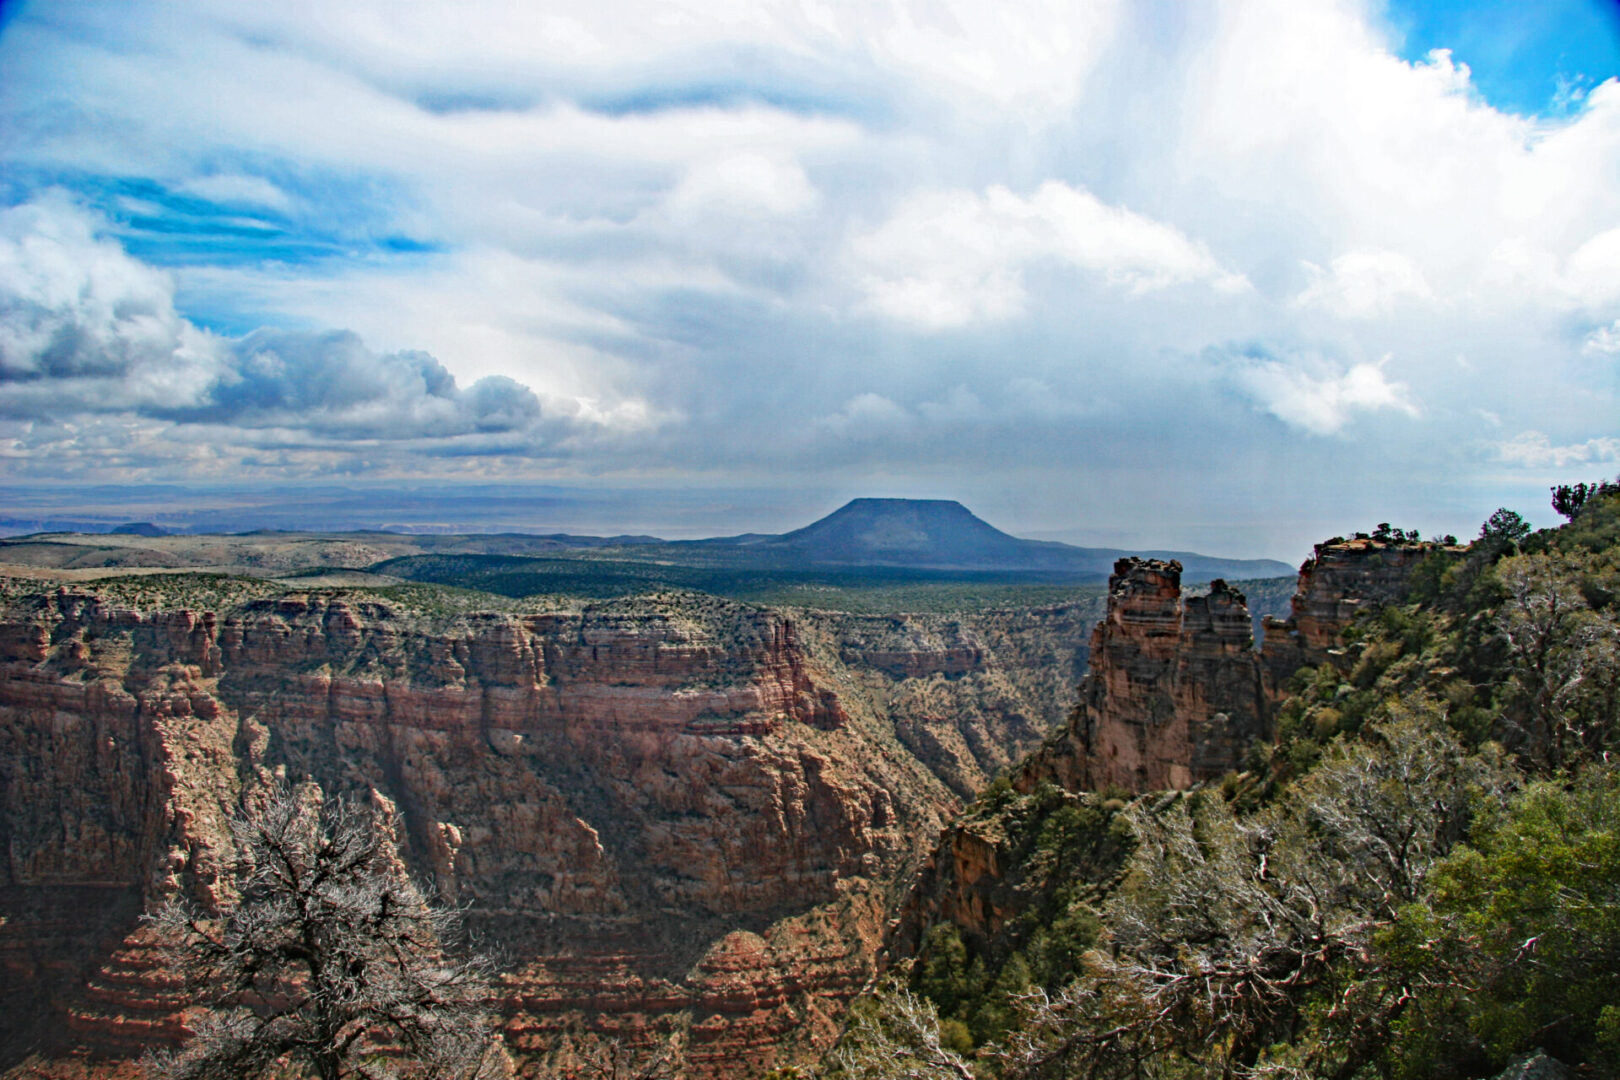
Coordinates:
(1339,580)
(1173,695)
(655,807)
(1176,694)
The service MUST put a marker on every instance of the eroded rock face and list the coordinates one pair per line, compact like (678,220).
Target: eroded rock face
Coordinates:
(1340,579)
(968,695)
(1174,694)
(654,808)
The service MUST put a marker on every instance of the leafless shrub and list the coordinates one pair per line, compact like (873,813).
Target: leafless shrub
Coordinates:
(330,964)
(588,1056)
(897,1040)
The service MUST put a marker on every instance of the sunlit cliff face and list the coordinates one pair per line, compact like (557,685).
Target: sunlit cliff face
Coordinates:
(654,807)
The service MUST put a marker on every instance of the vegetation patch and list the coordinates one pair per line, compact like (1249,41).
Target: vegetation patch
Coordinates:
(1416,878)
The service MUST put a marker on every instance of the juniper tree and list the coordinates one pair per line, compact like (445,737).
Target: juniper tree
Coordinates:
(1570,499)
(330,962)
(1503,529)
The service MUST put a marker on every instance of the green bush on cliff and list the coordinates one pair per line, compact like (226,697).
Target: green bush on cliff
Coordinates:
(1063,849)
(1518,943)
(1517,641)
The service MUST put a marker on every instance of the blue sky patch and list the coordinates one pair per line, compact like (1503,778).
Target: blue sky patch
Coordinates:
(324,220)
(1532,57)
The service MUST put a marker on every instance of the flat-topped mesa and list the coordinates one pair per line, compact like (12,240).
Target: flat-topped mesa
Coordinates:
(1174,695)
(1339,580)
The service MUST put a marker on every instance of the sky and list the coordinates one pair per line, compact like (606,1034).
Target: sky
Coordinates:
(1222,275)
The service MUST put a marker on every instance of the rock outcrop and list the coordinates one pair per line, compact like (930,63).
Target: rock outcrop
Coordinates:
(1174,694)
(1340,579)
(672,807)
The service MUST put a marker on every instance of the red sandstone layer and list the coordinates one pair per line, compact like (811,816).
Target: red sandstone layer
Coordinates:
(656,812)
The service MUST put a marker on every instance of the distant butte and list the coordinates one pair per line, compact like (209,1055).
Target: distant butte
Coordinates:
(942,534)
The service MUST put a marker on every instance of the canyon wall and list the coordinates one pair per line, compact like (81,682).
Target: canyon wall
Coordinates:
(676,807)
(967,695)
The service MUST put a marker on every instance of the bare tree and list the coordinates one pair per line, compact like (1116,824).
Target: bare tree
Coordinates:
(1561,657)
(588,1056)
(330,963)
(897,1040)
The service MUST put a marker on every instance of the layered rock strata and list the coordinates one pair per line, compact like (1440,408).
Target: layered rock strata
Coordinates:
(660,809)
(966,695)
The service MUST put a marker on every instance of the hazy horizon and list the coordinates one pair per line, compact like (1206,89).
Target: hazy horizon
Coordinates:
(670,515)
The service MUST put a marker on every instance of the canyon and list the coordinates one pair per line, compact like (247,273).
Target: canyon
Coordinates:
(671,814)
(672,811)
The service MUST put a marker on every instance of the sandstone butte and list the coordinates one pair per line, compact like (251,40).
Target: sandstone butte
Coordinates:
(672,808)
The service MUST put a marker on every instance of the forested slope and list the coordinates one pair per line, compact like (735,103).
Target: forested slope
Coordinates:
(1418,875)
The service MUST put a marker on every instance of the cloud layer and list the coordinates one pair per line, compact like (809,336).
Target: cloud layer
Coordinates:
(1113,271)
(89,333)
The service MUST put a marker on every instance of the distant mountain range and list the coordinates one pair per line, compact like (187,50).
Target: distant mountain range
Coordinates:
(942,534)
(873,540)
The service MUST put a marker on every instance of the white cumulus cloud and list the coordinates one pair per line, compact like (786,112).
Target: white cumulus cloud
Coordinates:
(87,329)
(1323,403)
(670,219)
(1604,341)
(85,326)
(744,182)
(1364,284)
(950,258)
(1535,450)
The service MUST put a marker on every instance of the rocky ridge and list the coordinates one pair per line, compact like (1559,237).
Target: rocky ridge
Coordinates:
(1174,696)
(1176,693)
